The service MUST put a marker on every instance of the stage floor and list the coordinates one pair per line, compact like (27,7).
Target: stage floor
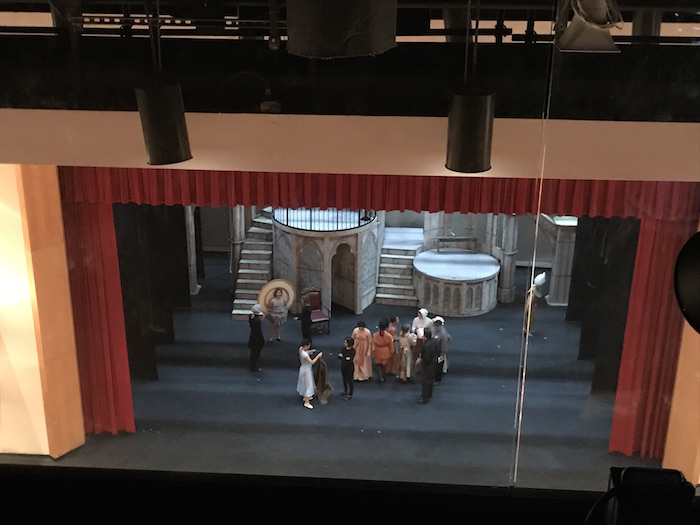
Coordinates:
(207,413)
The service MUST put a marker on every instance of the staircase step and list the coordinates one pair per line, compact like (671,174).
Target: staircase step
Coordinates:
(240,304)
(264,222)
(250,284)
(260,245)
(409,252)
(399,300)
(389,278)
(246,294)
(396,269)
(255,232)
(254,274)
(396,289)
(255,254)
(240,314)
(405,260)
(255,264)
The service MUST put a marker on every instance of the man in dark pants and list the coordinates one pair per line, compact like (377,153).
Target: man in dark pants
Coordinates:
(305,318)
(256,340)
(428,362)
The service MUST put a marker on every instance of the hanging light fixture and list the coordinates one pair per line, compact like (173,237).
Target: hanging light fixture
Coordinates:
(470,115)
(161,108)
(589,29)
(340,28)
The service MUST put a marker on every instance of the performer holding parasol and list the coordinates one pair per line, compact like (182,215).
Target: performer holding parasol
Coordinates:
(276,297)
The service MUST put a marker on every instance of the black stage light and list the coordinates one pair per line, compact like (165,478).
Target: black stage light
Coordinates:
(163,121)
(161,107)
(470,114)
(470,129)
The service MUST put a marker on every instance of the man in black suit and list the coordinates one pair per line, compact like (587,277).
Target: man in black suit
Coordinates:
(428,363)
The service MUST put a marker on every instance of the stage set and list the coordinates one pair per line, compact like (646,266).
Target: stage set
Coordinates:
(456,265)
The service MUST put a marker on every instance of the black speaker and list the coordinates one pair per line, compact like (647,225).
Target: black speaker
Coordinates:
(470,129)
(340,28)
(163,121)
(686,281)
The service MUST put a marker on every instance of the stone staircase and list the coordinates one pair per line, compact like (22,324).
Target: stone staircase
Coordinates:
(255,266)
(395,285)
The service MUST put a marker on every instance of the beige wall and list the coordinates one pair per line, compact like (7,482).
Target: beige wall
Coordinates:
(355,144)
(40,405)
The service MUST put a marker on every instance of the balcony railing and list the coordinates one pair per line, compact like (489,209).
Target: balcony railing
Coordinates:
(328,220)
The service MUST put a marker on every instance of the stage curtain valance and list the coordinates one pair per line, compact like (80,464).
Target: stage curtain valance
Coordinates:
(605,198)
(668,210)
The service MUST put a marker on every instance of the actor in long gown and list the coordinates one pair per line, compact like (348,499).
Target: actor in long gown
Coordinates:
(383,349)
(306,386)
(363,352)
(277,312)
(531,297)
(404,356)
(420,323)
(393,329)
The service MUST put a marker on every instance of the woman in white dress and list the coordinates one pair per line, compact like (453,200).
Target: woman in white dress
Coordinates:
(306,387)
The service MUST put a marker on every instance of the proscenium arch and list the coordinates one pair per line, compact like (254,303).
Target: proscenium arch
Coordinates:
(668,210)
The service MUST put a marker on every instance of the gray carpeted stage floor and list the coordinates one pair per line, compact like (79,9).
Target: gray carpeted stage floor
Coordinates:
(208,414)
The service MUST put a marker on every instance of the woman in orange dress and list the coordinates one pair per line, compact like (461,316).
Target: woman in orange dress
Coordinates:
(363,352)
(383,349)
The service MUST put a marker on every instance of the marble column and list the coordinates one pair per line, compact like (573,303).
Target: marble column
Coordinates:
(191,250)
(433,226)
(237,232)
(562,263)
(506,278)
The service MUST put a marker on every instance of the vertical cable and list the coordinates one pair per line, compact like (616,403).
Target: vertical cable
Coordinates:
(524,344)
(466,42)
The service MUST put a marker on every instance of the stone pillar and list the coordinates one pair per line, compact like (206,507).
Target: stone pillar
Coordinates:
(563,261)
(327,273)
(506,278)
(359,274)
(433,226)
(237,230)
(191,250)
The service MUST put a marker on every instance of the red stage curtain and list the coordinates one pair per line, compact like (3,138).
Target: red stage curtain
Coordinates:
(105,384)
(652,340)
(668,210)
